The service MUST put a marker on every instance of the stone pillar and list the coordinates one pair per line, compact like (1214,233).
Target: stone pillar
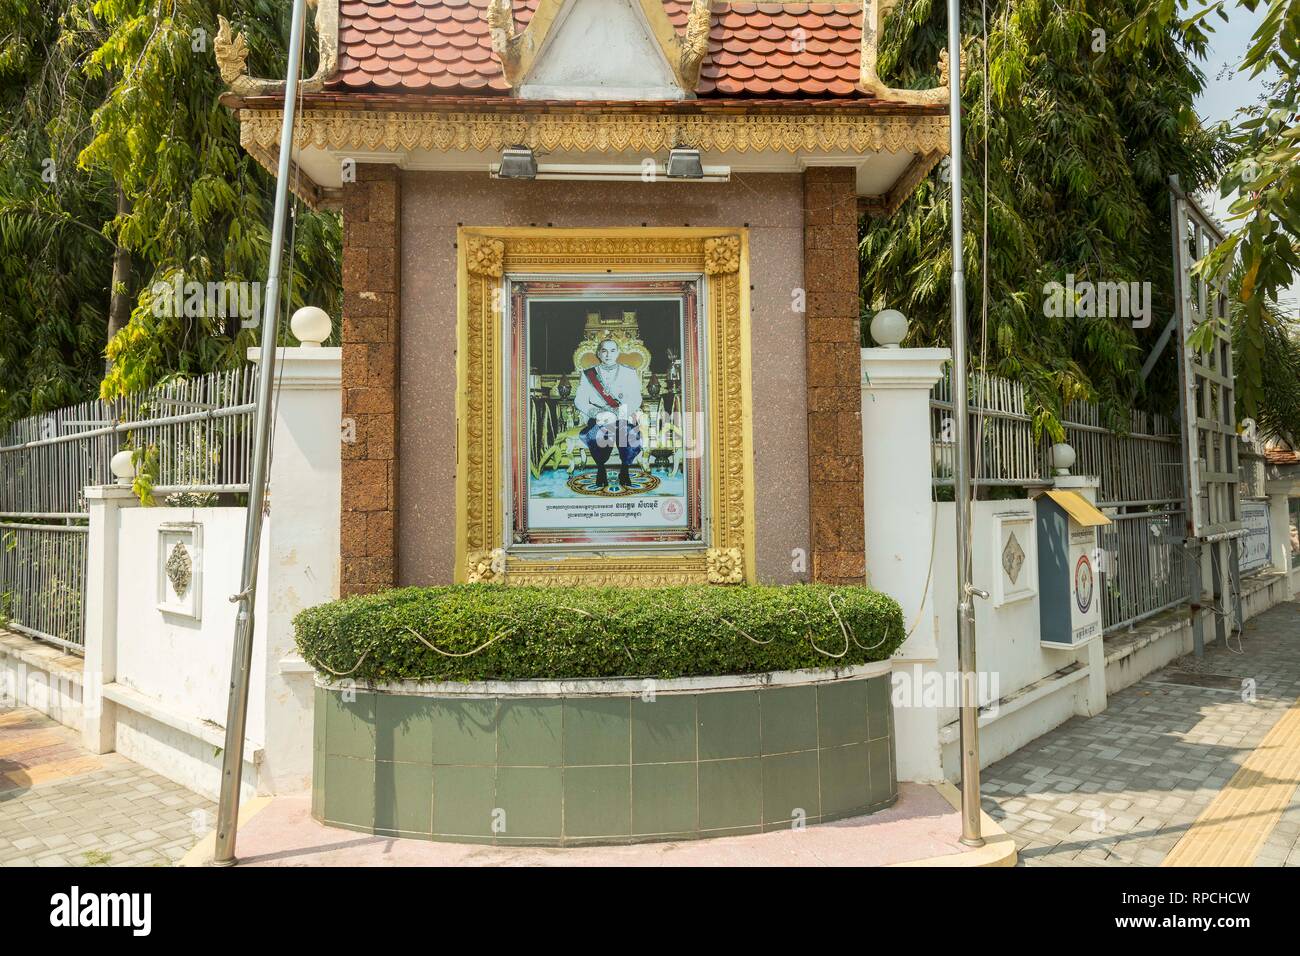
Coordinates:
(899,523)
(1090,698)
(104,505)
(833,340)
(371,369)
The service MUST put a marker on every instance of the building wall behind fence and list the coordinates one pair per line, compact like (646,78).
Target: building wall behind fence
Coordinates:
(434,204)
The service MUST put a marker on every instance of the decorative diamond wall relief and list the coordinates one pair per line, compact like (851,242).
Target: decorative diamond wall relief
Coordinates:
(1013,547)
(179,566)
(180,569)
(1013,557)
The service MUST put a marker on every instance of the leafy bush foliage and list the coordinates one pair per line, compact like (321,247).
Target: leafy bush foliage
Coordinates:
(496,632)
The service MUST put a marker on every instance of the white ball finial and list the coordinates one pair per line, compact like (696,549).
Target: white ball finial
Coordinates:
(1063,458)
(889,328)
(311,326)
(123,466)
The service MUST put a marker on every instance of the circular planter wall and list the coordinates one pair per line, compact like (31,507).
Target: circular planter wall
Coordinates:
(565,763)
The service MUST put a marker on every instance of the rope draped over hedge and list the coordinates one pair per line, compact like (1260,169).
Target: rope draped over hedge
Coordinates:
(474,632)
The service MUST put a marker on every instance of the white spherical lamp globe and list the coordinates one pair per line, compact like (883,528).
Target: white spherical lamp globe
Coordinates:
(1063,458)
(123,466)
(888,328)
(311,326)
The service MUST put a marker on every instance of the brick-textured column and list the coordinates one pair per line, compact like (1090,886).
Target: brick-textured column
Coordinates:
(371,326)
(830,262)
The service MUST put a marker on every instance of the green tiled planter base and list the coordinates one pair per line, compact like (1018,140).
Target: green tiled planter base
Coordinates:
(569,770)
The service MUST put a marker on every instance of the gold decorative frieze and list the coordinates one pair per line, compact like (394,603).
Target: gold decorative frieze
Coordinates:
(591,132)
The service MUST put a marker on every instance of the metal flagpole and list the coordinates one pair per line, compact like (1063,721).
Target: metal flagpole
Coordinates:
(232,758)
(969,710)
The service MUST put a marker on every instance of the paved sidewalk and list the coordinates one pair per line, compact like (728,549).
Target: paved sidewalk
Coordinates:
(1123,788)
(62,806)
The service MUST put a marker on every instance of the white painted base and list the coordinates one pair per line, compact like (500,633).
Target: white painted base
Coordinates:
(193,763)
(41,677)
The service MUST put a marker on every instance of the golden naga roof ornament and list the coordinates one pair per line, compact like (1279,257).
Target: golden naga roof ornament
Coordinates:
(869,81)
(506,43)
(516,49)
(231,50)
(695,45)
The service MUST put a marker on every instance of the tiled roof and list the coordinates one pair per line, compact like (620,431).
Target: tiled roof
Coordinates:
(1281,456)
(769,50)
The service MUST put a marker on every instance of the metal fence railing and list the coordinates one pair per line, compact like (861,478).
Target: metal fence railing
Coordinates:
(196,435)
(193,435)
(1141,484)
(1250,472)
(1004,450)
(1145,567)
(42,581)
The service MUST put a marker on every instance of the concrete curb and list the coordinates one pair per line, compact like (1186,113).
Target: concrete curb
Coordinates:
(201,853)
(999,848)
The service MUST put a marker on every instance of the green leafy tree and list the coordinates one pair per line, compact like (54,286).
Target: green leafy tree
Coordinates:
(1076,137)
(199,207)
(120,99)
(54,283)
(1263,249)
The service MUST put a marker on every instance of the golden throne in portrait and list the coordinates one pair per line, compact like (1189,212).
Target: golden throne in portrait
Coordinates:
(559,442)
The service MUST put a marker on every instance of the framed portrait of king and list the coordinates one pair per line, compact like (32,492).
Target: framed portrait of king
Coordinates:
(608,434)
(605,421)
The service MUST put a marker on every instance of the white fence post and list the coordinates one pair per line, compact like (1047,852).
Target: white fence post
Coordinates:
(301,548)
(898,511)
(99,715)
(1279,532)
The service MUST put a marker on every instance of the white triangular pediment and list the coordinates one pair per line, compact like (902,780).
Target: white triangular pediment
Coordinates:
(601,50)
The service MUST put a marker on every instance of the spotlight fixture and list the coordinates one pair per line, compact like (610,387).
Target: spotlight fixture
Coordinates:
(517,162)
(684,163)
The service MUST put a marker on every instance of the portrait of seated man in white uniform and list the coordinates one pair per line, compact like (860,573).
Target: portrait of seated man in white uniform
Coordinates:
(608,401)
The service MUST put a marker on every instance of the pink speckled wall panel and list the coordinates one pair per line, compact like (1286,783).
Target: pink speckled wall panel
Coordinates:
(434,204)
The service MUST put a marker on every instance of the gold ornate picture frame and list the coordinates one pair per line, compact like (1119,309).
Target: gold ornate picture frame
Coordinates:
(485,256)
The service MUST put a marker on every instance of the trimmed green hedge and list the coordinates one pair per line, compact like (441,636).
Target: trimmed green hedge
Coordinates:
(519,633)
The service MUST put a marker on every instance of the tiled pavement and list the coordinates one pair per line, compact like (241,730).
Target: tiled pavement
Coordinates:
(1121,788)
(60,806)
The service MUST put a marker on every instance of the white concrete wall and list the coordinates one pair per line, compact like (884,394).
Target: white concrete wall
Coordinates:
(181,663)
(1008,655)
(176,670)
(164,673)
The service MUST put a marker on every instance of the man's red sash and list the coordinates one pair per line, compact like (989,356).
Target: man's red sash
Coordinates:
(608,399)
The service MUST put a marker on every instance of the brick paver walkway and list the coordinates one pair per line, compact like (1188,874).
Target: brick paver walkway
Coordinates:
(1123,787)
(60,806)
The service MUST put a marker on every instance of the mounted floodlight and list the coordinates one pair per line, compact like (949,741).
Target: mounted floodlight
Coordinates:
(684,163)
(517,162)
(646,172)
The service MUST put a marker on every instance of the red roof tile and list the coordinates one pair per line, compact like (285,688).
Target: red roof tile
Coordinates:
(796,50)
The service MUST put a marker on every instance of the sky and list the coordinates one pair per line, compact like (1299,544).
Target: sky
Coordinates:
(1226,90)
